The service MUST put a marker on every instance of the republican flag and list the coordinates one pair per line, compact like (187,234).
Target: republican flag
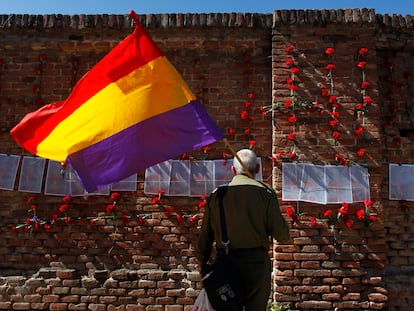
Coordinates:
(130,111)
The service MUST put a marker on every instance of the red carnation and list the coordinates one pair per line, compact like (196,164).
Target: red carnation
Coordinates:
(115,196)
(31,199)
(291,136)
(66,199)
(206,149)
(293,87)
(110,208)
(360,106)
(333,122)
(349,223)
(368,100)
(288,103)
(372,218)
(325,92)
(63,208)
(292,155)
(155,200)
(362,64)
(368,203)
(330,67)
(363,51)
(335,114)
(290,211)
(360,152)
(332,99)
(360,214)
(293,119)
(327,213)
(359,131)
(289,62)
(290,48)
(295,71)
(365,85)
(336,135)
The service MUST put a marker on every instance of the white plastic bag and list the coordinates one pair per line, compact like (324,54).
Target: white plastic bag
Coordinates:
(202,303)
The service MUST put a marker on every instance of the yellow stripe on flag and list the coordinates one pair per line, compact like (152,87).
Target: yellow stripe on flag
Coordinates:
(152,89)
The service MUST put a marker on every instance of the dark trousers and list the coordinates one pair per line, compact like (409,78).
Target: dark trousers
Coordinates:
(254,268)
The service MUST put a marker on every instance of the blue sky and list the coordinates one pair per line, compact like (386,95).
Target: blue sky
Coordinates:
(402,7)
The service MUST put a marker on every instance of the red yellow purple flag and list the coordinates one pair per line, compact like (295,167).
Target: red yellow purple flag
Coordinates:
(130,111)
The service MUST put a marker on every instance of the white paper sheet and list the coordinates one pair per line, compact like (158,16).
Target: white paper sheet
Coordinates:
(189,178)
(401,184)
(324,184)
(9,165)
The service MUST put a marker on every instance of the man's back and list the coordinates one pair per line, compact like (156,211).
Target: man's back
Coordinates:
(252,215)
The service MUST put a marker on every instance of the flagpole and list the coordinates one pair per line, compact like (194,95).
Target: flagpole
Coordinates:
(246,170)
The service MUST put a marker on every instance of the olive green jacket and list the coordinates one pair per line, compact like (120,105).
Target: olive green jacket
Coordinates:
(252,216)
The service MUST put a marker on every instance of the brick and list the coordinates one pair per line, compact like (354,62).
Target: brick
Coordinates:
(175,292)
(21,306)
(97,307)
(70,299)
(315,305)
(32,298)
(50,298)
(66,274)
(77,307)
(148,284)
(61,290)
(376,297)
(312,273)
(5,305)
(331,296)
(39,306)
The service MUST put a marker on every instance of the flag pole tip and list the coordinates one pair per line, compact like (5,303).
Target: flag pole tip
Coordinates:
(133,15)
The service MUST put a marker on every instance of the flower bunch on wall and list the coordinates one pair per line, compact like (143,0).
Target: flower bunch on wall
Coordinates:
(112,212)
(327,104)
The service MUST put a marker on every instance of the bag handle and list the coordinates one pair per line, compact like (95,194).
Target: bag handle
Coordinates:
(224,238)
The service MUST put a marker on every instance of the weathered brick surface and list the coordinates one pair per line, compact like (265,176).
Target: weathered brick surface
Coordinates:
(147,265)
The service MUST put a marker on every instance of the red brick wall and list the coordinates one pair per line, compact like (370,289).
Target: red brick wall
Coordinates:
(110,264)
(366,266)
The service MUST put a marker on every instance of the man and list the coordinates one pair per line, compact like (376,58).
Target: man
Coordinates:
(252,216)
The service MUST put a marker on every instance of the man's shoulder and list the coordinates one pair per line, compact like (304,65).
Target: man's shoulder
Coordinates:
(219,188)
(253,183)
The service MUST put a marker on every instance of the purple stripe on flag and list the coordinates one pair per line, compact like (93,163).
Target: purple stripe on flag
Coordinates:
(142,145)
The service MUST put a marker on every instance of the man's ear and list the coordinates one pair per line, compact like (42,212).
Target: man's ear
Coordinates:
(233,169)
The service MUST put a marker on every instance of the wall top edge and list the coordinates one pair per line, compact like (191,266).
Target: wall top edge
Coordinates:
(195,20)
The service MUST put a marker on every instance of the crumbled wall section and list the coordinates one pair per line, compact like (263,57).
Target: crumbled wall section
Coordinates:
(95,262)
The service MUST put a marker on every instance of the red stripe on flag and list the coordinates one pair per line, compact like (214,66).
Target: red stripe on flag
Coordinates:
(134,51)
